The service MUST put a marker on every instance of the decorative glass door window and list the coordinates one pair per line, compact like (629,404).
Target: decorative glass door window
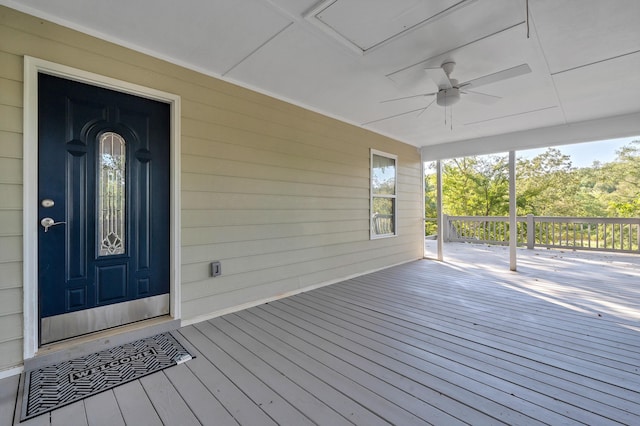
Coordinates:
(111,194)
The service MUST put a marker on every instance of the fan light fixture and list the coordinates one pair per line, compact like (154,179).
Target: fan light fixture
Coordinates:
(448,97)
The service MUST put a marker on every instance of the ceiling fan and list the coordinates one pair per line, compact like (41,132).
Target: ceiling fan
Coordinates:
(450,90)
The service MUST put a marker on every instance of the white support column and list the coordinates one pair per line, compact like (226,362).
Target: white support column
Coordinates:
(424,213)
(439,209)
(513,231)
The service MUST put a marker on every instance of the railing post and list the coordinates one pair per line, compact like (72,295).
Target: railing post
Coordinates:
(445,228)
(531,232)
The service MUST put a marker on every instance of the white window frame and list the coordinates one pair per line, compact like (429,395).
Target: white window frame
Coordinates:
(372,235)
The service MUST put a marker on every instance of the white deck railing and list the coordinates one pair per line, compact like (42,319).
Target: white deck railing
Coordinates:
(579,233)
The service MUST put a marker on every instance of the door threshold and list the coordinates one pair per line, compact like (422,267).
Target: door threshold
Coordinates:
(65,350)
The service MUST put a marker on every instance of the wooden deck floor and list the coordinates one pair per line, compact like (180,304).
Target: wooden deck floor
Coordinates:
(449,343)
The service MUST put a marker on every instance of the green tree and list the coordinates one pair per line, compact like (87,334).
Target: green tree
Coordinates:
(546,185)
(618,182)
(477,186)
(430,201)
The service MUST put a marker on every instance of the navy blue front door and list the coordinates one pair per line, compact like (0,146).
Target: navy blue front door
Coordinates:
(103,187)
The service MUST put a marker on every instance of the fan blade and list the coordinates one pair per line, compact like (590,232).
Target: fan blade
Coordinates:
(497,76)
(439,77)
(481,98)
(408,97)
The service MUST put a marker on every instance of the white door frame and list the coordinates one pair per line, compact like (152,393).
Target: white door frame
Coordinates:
(33,66)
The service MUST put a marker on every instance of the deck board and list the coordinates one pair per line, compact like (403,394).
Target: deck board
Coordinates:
(470,369)
(459,342)
(341,403)
(526,346)
(70,415)
(199,399)
(8,389)
(393,405)
(520,333)
(135,405)
(237,403)
(526,328)
(304,401)
(102,410)
(168,403)
(334,388)
(269,401)
(557,383)
(496,342)
(432,382)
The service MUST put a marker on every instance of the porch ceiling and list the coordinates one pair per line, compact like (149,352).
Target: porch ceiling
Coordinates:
(343,57)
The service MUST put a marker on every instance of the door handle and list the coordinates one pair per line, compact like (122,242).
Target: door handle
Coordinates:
(47,223)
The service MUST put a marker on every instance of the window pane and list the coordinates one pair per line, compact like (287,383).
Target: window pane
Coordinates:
(111,197)
(383,175)
(382,218)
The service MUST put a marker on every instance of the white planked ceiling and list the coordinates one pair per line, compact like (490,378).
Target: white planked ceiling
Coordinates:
(343,57)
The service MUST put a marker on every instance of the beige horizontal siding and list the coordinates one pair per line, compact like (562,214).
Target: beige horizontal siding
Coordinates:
(278,193)
(11,170)
(11,145)
(12,329)
(259,262)
(236,249)
(10,301)
(262,150)
(239,294)
(225,184)
(234,201)
(10,274)
(196,218)
(10,250)
(10,338)
(245,276)
(11,118)
(225,234)
(10,222)
(10,353)
(10,92)
(10,66)
(10,195)
(204,166)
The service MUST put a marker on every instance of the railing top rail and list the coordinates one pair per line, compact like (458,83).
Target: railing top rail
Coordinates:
(570,219)
(576,219)
(485,218)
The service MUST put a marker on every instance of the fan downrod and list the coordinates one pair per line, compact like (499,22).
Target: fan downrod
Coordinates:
(448,67)
(450,96)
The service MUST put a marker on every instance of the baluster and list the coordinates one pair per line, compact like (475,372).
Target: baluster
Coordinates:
(621,237)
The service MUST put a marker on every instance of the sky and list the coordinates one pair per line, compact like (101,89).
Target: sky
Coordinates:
(584,154)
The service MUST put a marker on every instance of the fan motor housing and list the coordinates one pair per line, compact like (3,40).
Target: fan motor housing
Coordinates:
(448,97)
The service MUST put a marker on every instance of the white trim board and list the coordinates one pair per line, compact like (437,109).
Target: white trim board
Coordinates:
(11,372)
(619,126)
(33,66)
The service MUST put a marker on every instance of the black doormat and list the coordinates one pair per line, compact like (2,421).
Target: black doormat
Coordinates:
(57,385)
